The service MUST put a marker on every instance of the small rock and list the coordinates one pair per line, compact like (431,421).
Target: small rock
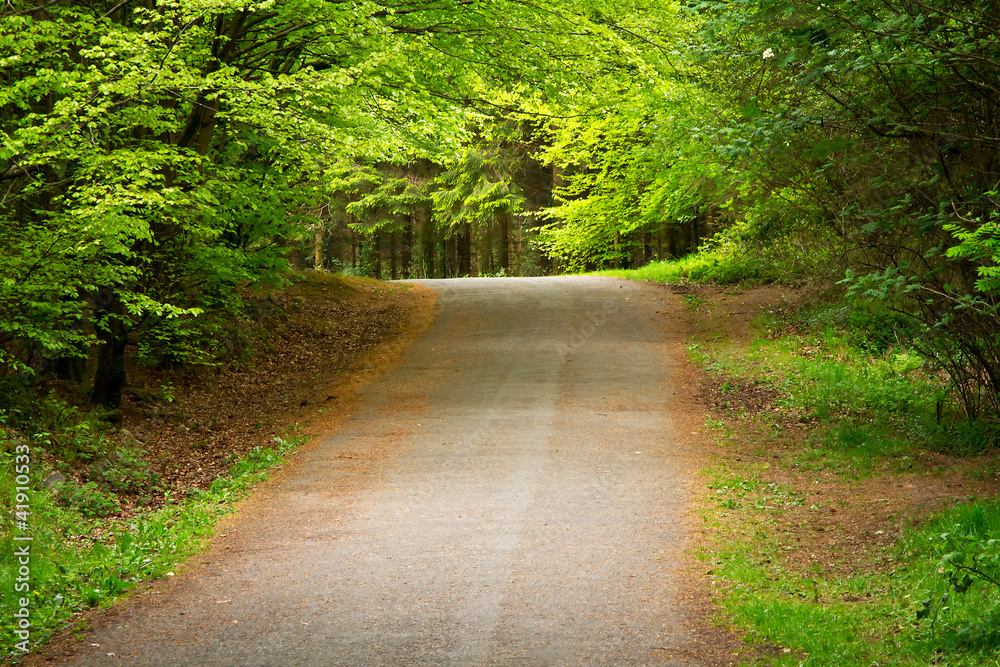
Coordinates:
(53,479)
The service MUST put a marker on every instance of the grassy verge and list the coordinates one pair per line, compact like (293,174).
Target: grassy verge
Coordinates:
(79,561)
(850,515)
(847,405)
(718,264)
(847,408)
(717,267)
(905,602)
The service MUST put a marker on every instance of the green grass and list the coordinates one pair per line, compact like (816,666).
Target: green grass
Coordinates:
(78,562)
(900,610)
(708,266)
(856,451)
(851,399)
(866,407)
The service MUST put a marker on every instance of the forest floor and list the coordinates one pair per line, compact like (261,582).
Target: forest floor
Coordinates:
(314,344)
(842,523)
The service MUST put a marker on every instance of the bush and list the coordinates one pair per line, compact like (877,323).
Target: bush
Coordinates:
(122,470)
(868,325)
(88,499)
(962,611)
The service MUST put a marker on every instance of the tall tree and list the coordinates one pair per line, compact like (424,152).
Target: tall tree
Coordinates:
(878,123)
(156,155)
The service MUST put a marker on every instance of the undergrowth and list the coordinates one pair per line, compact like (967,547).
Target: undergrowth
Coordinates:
(708,266)
(911,604)
(845,372)
(849,398)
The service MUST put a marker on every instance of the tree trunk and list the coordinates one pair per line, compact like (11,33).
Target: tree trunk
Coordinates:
(474,254)
(407,256)
(333,249)
(73,369)
(392,255)
(505,242)
(376,256)
(485,264)
(451,257)
(464,243)
(429,243)
(109,377)
(294,255)
(318,239)
(546,265)
(517,253)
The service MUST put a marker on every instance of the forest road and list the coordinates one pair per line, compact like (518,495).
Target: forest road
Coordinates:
(510,494)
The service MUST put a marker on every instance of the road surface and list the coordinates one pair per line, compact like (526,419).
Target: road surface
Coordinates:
(508,495)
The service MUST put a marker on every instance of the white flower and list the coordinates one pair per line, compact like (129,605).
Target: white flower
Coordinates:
(769,53)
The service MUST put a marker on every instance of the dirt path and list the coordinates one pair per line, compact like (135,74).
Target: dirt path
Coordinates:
(512,494)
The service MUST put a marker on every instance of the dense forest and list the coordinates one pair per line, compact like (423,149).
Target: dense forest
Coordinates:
(163,160)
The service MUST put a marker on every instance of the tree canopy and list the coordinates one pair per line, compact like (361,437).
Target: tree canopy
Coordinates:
(159,159)
(158,155)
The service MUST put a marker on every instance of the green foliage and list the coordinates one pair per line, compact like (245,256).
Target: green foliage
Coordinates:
(865,119)
(982,246)
(78,443)
(859,448)
(959,332)
(825,137)
(914,604)
(867,325)
(707,266)
(88,499)
(847,371)
(830,385)
(961,611)
(122,470)
(158,160)
(631,170)
(477,189)
(168,156)
(855,359)
(381,198)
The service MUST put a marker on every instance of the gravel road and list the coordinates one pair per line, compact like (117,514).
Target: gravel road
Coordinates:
(510,494)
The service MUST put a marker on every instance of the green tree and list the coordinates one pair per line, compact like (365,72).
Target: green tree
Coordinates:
(157,156)
(876,122)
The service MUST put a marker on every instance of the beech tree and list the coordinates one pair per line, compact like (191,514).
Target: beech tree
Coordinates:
(872,129)
(156,156)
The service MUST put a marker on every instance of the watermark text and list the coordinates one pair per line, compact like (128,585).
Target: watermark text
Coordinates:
(22,547)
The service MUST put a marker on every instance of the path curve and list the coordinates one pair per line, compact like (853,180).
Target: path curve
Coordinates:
(511,494)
